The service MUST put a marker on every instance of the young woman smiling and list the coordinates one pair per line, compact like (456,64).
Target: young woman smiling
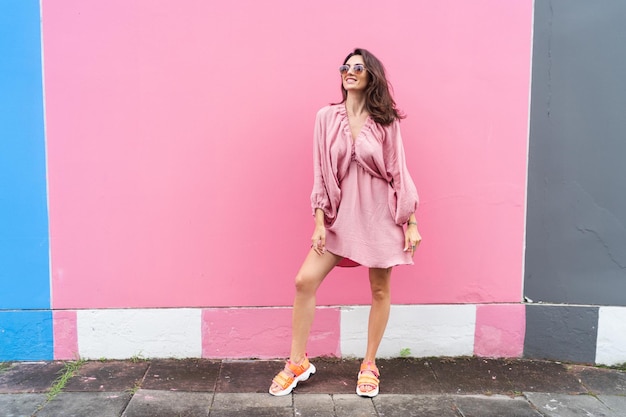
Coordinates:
(364,203)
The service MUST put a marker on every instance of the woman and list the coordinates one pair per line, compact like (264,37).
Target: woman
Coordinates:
(362,197)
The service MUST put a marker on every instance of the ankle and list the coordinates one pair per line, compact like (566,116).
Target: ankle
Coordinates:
(297,359)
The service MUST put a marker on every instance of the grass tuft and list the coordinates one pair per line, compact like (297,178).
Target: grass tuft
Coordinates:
(138,358)
(405,352)
(68,371)
(619,366)
(135,388)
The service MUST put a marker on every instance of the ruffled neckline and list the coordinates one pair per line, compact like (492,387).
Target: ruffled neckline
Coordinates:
(345,121)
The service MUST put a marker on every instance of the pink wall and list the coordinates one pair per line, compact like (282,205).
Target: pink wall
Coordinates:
(179,139)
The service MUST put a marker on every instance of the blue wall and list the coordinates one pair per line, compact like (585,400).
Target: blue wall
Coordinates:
(24,243)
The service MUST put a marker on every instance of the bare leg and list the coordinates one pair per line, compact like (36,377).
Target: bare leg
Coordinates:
(380,284)
(312,272)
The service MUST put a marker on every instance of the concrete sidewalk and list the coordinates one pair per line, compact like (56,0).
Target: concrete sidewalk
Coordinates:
(438,387)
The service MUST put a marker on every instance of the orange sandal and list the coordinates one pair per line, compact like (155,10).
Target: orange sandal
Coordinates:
(288,382)
(368,379)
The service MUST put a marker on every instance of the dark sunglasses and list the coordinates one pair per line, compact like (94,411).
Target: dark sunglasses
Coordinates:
(356,68)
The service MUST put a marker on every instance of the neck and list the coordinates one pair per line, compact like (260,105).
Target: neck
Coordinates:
(355,103)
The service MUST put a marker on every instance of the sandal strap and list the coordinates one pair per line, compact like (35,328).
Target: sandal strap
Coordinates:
(365,379)
(283,379)
(299,369)
(369,366)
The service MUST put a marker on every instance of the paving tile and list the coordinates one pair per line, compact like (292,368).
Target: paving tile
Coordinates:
(30,376)
(351,405)
(471,375)
(148,403)
(398,376)
(407,376)
(494,406)
(247,376)
(394,405)
(542,376)
(257,405)
(182,375)
(18,405)
(561,405)
(86,404)
(601,381)
(616,403)
(409,387)
(313,405)
(107,376)
(333,376)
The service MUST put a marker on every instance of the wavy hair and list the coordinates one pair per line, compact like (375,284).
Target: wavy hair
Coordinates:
(378,99)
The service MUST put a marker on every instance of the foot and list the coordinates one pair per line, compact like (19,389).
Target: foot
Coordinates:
(275,388)
(287,379)
(368,382)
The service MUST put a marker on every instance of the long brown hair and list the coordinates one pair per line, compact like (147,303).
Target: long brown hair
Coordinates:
(378,100)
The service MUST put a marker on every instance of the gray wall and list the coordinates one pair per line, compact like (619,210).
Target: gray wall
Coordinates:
(576,222)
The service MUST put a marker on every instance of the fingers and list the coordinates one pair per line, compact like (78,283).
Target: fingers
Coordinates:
(319,248)
(411,243)
(412,247)
(319,245)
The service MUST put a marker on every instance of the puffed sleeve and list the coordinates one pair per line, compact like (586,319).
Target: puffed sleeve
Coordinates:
(326,193)
(403,199)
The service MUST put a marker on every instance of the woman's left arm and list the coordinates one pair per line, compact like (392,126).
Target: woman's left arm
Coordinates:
(412,237)
(405,194)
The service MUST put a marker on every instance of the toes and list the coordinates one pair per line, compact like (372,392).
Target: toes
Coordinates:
(366,388)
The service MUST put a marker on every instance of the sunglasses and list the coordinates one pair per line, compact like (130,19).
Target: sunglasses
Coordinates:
(356,68)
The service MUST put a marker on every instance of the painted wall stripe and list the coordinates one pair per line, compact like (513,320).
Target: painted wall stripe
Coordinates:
(121,334)
(426,330)
(559,332)
(611,345)
(265,333)
(25,335)
(500,330)
(65,335)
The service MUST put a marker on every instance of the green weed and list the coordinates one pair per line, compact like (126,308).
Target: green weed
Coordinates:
(68,371)
(135,388)
(137,358)
(619,366)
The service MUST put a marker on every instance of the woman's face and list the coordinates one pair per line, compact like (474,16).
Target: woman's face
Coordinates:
(352,79)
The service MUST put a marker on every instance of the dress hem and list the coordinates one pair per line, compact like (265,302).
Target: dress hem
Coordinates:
(351,263)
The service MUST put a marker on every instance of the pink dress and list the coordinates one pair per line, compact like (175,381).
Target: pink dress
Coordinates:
(364,188)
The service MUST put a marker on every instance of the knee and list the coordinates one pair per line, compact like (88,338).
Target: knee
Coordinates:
(305,284)
(380,293)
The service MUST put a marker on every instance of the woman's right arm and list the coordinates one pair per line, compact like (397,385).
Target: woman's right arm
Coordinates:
(319,233)
(320,200)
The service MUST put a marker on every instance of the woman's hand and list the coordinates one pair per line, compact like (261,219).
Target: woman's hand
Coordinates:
(319,239)
(412,238)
